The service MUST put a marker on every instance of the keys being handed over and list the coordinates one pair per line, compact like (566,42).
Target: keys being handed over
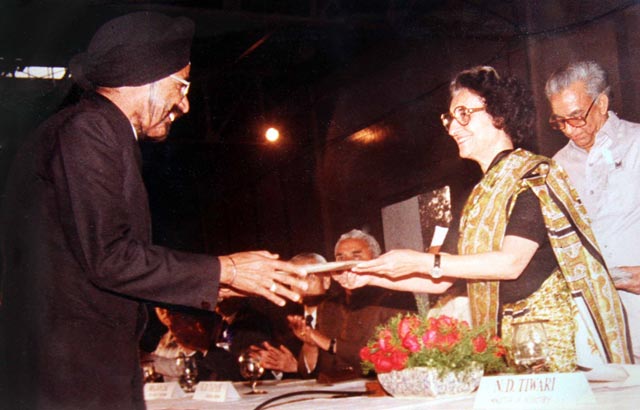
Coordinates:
(262,273)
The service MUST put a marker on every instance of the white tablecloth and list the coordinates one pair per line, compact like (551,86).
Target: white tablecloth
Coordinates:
(610,395)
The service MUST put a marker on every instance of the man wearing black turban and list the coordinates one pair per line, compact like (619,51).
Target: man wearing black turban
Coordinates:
(77,235)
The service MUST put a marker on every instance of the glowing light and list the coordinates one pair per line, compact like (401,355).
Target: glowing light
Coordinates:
(272,135)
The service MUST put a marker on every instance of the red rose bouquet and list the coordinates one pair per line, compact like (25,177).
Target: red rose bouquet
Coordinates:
(443,342)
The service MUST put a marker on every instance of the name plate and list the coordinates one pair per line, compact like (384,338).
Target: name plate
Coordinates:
(157,391)
(216,391)
(533,391)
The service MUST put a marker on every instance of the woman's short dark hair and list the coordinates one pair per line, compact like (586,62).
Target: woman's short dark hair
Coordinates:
(505,98)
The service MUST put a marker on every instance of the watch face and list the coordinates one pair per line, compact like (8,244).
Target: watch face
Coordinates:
(436,272)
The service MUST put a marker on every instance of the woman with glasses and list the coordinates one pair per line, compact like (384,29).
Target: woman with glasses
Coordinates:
(525,246)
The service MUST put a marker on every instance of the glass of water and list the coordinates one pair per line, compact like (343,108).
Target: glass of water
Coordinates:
(529,346)
(188,371)
(251,369)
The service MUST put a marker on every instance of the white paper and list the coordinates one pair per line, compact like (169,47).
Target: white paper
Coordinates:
(329,266)
(534,391)
(157,391)
(438,235)
(216,391)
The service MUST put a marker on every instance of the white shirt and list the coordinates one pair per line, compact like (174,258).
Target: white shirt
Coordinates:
(607,179)
(313,311)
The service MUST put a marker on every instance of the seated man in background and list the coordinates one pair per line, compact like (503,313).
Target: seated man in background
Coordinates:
(280,358)
(214,341)
(241,327)
(189,333)
(345,321)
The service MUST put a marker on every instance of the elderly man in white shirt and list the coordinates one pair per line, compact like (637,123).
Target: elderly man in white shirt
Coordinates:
(602,159)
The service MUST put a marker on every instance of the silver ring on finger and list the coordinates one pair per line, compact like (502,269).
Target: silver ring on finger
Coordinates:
(273,287)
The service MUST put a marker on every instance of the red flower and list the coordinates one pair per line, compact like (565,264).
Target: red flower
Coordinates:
(365,353)
(399,360)
(429,338)
(384,339)
(442,342)
(479,344)
(411,343)
(500,349)
(446,321)
(407,324)
(382,363)
(452,338)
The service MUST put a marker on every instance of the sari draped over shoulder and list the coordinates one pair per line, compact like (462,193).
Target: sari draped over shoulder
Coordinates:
(482,229)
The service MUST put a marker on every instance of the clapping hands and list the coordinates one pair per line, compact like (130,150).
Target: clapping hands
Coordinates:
(276,358)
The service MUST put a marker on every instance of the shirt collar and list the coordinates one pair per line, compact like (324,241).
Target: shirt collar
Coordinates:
(609,130)
(605,135)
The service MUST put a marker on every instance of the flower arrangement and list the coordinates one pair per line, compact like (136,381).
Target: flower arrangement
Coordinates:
(444,343)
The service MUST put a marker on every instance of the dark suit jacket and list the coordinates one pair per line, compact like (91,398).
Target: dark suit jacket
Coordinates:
(79,260)
(352,324)
(248,328)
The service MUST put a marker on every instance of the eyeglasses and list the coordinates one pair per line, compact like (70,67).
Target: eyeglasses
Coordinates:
(558,123)
(461,114)
(184,90)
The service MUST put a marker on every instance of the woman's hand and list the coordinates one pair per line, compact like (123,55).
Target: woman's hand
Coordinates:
(397,263)
(353,280)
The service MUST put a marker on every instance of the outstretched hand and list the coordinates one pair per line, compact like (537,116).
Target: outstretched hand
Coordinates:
(262,273)
(396,263)
(353,280)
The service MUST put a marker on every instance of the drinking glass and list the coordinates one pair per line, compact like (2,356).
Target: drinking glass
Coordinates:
(251,369)
(149,372)
(529,344)
(188,372)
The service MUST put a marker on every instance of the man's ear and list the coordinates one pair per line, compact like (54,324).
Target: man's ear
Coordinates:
(603,104)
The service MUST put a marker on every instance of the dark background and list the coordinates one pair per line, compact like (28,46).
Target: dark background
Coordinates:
(356,88)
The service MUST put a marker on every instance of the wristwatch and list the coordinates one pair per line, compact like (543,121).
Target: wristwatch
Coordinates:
(436,271)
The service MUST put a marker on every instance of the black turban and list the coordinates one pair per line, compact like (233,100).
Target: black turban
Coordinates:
(134,49)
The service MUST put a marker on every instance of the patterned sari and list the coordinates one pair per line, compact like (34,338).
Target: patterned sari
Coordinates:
(601,329)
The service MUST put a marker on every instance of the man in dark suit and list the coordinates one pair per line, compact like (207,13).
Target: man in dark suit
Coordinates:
(347,320)
(77,235)
(278,357)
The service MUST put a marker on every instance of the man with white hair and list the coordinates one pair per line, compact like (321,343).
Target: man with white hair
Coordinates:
(347,319)
(602,159)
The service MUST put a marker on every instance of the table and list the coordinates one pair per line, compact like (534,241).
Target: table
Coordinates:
(608,396)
